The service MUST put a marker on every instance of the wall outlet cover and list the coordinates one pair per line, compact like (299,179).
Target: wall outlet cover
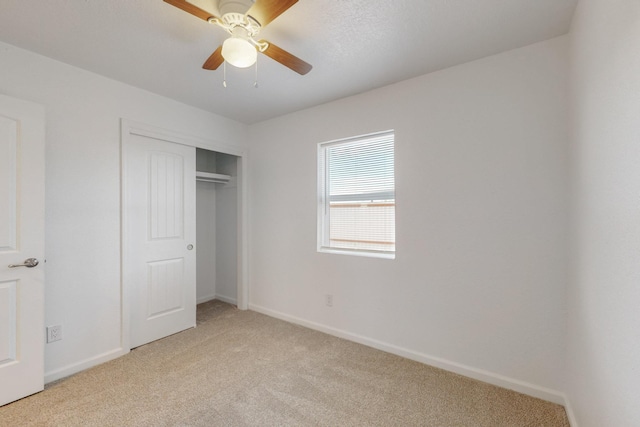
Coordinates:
(54,333)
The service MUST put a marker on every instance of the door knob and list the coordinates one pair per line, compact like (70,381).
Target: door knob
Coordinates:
(29,263)
(189,247)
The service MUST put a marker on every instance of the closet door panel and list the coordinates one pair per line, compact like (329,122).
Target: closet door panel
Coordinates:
(160,256)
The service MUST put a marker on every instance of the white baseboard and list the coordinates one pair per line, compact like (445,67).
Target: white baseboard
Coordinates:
(458,368)
(205,299)
(74,368)
(569,410)
(228,300)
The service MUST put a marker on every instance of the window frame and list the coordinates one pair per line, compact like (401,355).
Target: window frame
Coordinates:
(323,221)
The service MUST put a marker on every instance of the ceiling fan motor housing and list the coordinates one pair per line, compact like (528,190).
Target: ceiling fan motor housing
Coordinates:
(234,6)
(234,17)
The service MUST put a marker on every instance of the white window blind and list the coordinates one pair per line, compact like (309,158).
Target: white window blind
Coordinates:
(356,210)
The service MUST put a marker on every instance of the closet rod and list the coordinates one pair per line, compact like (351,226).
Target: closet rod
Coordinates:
(216,178)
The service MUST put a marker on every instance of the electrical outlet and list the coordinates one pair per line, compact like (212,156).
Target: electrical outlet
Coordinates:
(54,333)
(328,300)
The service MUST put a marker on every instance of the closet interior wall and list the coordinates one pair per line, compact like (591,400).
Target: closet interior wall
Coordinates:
(216,229)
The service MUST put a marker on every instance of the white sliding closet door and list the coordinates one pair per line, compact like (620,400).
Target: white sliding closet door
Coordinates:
(159,237)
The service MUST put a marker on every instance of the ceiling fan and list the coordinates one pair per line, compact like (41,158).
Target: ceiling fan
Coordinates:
(243,20)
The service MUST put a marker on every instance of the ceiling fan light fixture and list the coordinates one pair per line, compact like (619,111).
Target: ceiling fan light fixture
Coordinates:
(239,52)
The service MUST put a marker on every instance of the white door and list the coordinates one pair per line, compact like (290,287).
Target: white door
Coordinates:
(21,238)
(159,237)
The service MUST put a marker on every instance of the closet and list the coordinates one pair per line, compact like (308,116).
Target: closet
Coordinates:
(216,226)
(182,231)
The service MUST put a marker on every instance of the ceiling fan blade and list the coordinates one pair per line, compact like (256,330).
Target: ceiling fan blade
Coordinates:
(286,59)
(190,8)
(214,61)
(265,11)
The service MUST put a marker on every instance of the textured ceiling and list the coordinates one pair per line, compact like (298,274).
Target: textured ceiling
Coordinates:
(353,45)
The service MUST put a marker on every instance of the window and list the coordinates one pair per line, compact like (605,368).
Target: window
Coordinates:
(356,196)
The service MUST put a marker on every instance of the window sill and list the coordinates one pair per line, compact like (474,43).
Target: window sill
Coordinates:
(383,255)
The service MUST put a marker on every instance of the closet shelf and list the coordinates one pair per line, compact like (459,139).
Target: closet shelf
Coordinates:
(216,178)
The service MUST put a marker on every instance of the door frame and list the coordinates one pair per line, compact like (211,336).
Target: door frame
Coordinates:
(130,128)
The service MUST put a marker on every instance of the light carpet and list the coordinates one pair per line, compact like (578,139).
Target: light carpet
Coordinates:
(241,368)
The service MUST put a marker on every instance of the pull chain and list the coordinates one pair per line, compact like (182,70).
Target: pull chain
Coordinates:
(255,83)
(224,74)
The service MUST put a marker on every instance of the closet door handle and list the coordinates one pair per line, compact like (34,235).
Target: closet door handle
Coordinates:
(189,247)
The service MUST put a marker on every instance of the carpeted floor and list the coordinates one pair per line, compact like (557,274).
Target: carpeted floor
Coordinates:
(241,368)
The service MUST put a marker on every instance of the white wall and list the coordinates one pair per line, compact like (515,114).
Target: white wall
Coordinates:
(206,225)
(603,350)
(478,285)
(205,241)
(83,192)
(227,231)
